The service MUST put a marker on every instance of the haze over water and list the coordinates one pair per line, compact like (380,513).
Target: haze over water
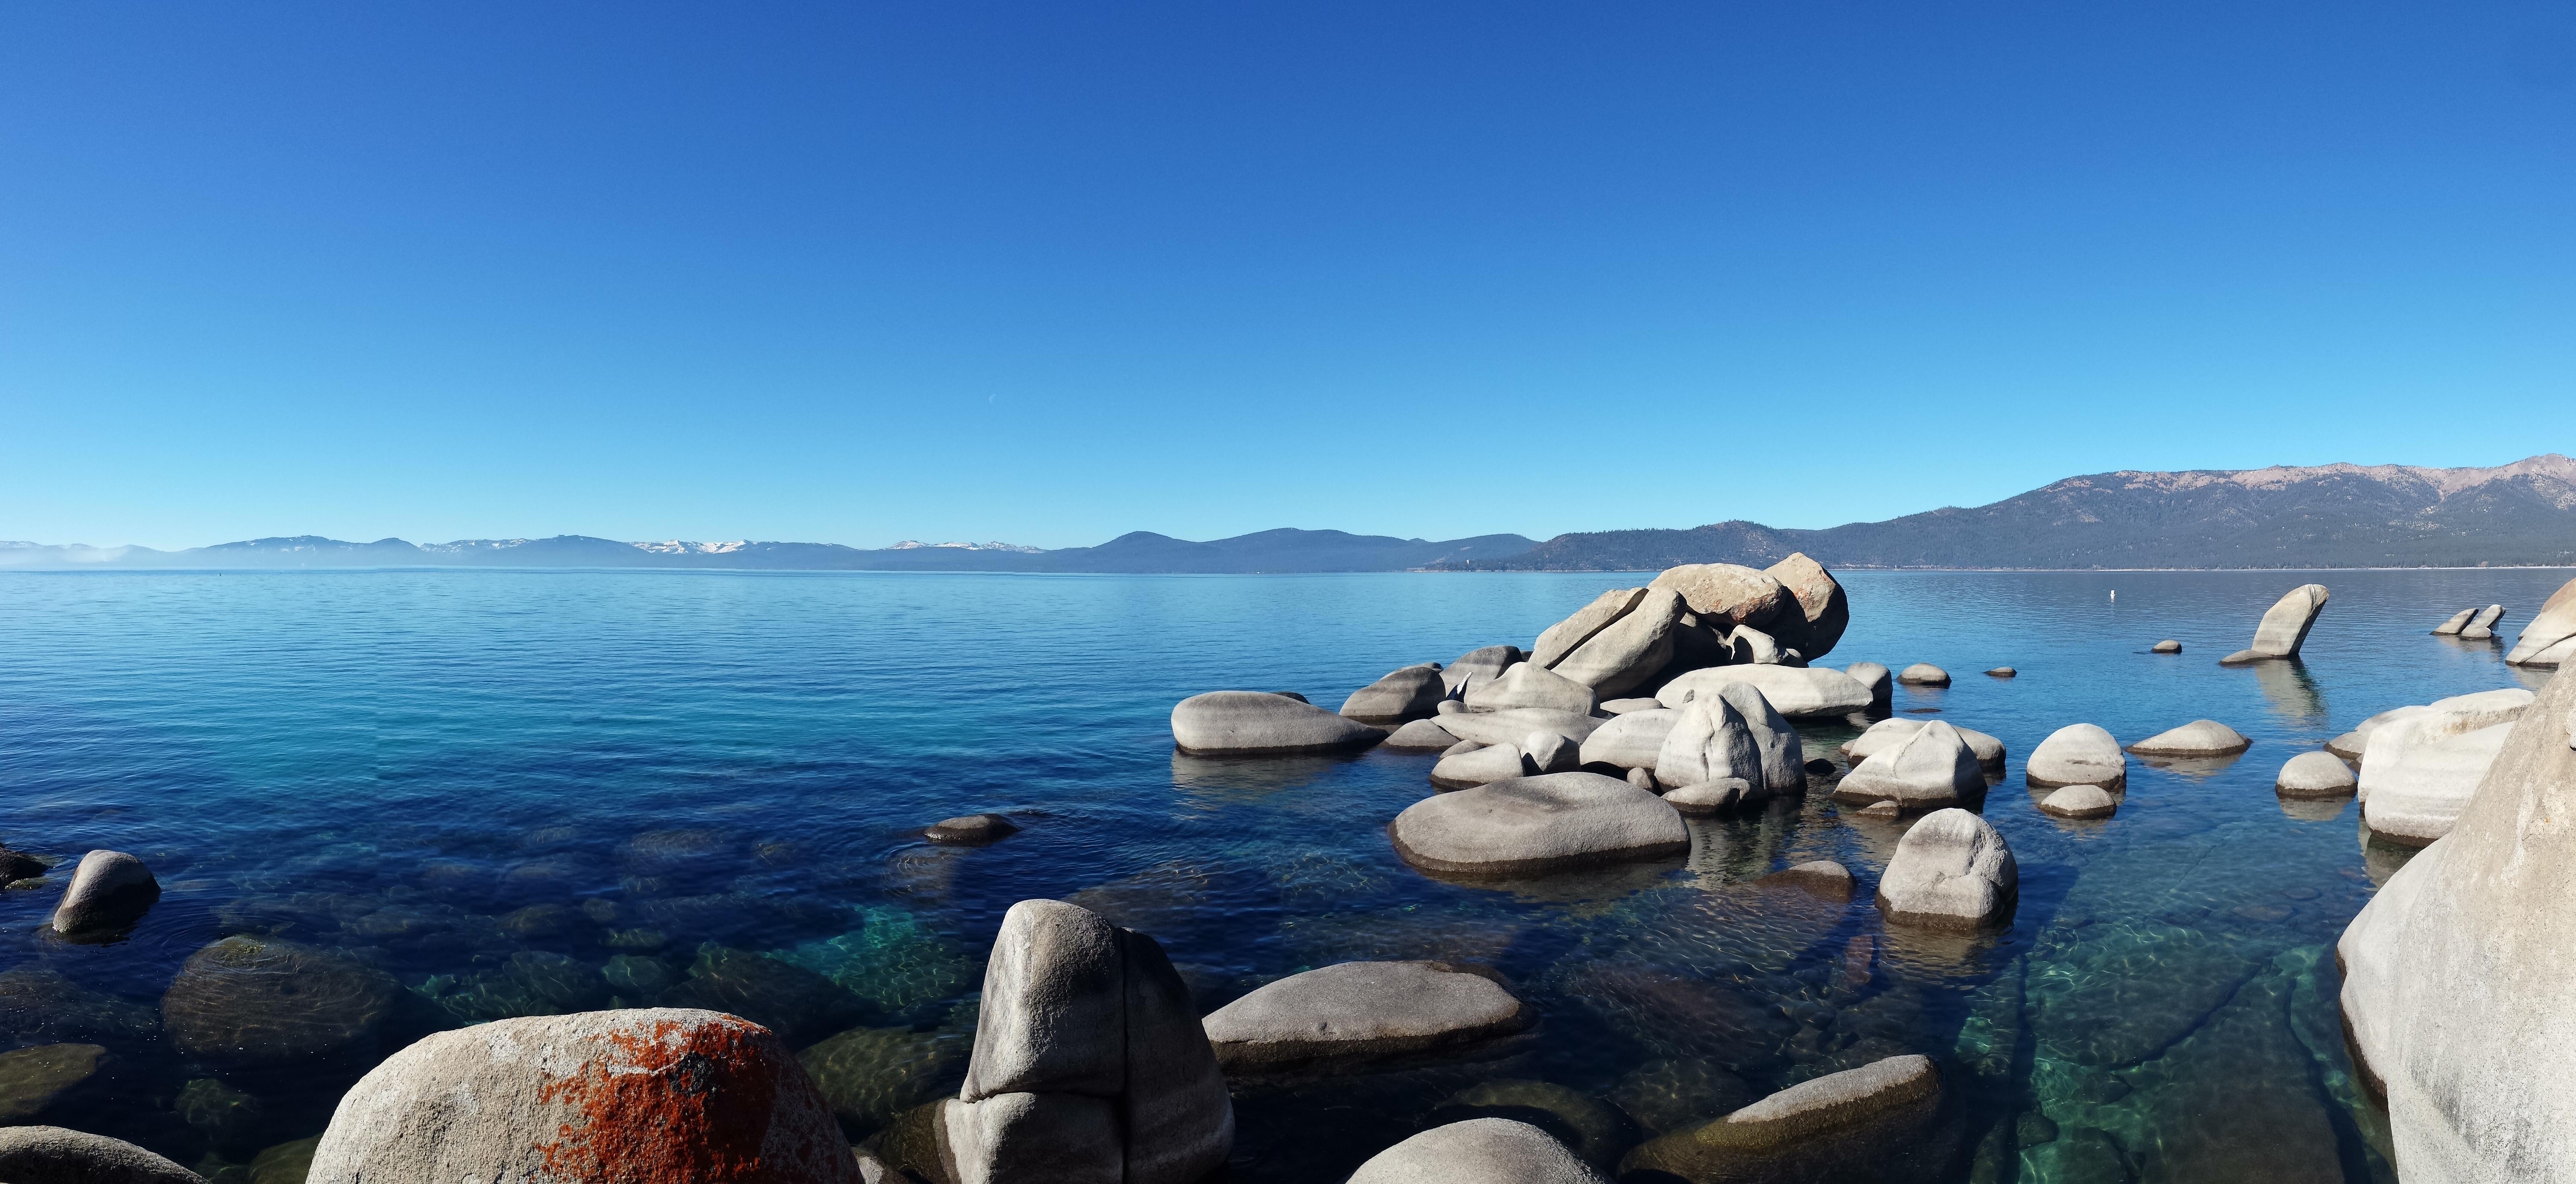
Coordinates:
(510,792)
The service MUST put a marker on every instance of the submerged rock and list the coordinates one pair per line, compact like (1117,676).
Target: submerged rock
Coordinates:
(1951,871)
(971,830)
(2078,754)
(259,1001)
(2080,801)
(2200,737)
(1407,694)
(1538,824)
(53,1155)
(648,1094)
(109,891)
(1877,1122)
(868,1076)
(798,1004)
(1359,1013)
(32,1080)
(2314,775)
(1594,1130)
(1483,1150)
(1823,877)
(1220,723)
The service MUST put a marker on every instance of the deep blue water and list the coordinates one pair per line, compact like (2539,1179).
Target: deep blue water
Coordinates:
(520,792)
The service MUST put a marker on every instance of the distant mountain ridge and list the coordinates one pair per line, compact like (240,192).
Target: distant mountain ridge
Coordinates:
(1140,552)
(2340,515)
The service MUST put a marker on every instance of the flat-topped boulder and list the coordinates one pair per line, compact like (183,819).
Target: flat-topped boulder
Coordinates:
(1477,667)
(1879,1123)
(1631,740)
(1709,799)
(1361,1013)
(2315,775)
(1628,651)
(2284,627)
(1951,871)
(1923,674)
(2456,973)
(1400,695)
(1888,733)
(1725,595)
(56,1155)
(1481,1151)
(971,830)
(1514,725)
(1255,723)
(641,1094)
(1930,769)
(1823,877)
(1422,734)
(2200,737)
(1533,825)
(1823,607)
(2078,754)
(1482,765)
(1878,680)
(2550,639)
(2003,672)
(2080,801)
(1797,692)
(1526,684)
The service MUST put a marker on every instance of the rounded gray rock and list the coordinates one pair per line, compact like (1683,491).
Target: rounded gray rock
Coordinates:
(2167,646)
(2002,672)
(55,1155)
(1932,768)
(1824,877)
(1924,674)
(1514,725)
(1889,733)
(1631,740)
(1876,1123)
(1244,723)
(1422,734)
(1482,765)
(1951,871)
(2080,801)
(110,890)
(1798,692)
(2314,775)
(1477,667)
(1357,1013)
(1710,740)
(1708,799)
(971,830)
(2200,737)
(1538,824)
(1526,684)
(1878,680)
(2078,754)
(1478,1151)
(1407,694)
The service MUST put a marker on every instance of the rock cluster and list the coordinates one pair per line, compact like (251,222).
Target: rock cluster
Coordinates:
(2284,627)
(1794,692)
(2456,972)
(2473,624)
(1888,733)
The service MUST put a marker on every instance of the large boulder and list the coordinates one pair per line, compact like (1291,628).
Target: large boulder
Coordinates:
(1527,684)
(1477,667)
(1627,652)
(1512,726)
(1823,608)
(2200,737)
(1246,723)
(1478,1151)
(1878,680)
(1725,595)
(1360,1013)
(2284,626)
(1931,769)
(2418,772)
(2078,754)
(1879,1122)
(1089,1066)
(1407,694)
(1632,740)
(1951,871)
(1533,825)
(642,1094)
(2550,638)
(1783,757)
(257,1001)
(2314,775)
(1568,635)
(2456,973)
(1710,741)
(1793,691)
(54,1155)
(110,890)
(1889,733)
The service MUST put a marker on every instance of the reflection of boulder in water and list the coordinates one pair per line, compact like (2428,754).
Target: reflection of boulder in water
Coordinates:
(668,852)
(2125,991)
(1244,779)
(798,1004)
(1186,904)
(1680,1014)
(869,1075)
(2381,858)
(1596,1132)
(1671,1094)
(260,1001)
(35,1080)
(530,983)
(896,961)
(2294,695)
(2314,809)
(38,1005)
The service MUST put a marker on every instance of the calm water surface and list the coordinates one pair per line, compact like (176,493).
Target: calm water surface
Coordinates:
(407,801)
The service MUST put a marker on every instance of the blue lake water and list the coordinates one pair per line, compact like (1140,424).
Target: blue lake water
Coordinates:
(413,800)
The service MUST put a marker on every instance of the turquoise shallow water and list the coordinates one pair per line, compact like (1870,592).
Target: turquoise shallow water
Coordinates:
(413,800)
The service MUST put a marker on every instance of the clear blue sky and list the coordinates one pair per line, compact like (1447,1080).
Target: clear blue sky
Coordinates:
(1048,272)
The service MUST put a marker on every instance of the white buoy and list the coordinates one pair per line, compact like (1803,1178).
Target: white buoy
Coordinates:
(2115,594)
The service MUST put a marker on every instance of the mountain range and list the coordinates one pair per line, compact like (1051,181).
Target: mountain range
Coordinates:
(2322,516)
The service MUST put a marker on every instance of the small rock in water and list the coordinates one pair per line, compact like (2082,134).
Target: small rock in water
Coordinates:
(971,830)
(2080,801)
(110,890)
(1924,674)
(1708,799)
(2314,775)
(2350,745)
(16,866)
(53,1155)
(2200,737)
(2168,646)
(2284,627)
(1824,877)
(1881,812)
(33,1079)
(259,1001)
(2002,672)
(1483,1150)
(1932,768)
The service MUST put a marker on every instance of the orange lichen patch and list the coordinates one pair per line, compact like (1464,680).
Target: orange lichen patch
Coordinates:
(677,1102)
